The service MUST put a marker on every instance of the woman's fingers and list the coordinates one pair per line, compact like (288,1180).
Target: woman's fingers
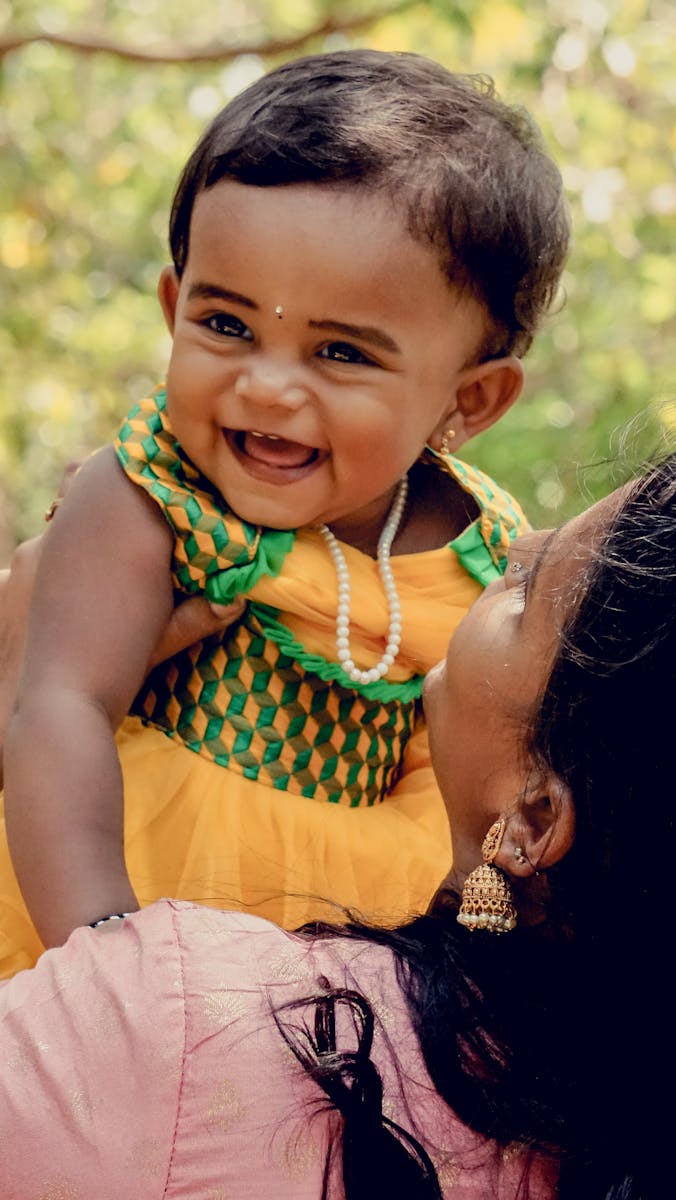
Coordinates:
(192,621)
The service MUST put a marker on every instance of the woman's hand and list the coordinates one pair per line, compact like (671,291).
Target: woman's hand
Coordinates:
(192,621)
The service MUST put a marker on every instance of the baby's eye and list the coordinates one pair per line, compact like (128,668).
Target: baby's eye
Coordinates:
(344,352)
(228,325)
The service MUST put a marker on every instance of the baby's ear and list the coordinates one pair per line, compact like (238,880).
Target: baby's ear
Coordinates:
(483,394)
(167,294)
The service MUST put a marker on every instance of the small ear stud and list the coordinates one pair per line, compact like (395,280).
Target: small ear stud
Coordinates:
(520,856)
(52,508)
(279,312)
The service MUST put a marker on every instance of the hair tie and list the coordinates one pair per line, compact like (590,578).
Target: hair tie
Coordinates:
(110,917)
(379,1156)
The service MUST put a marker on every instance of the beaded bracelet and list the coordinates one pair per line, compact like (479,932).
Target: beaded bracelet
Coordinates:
(110,917)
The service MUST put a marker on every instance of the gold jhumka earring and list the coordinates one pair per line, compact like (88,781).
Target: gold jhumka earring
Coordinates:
(487,901)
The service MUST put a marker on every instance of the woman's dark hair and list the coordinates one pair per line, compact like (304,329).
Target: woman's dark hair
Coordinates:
(379,1157)
(559,1037)
(606,725)
(470,173)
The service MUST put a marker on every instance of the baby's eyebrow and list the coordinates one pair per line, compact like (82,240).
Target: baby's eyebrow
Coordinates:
(367,333)
(211,291)
(364,333)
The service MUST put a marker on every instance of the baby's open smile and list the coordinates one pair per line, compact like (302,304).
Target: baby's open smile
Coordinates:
(273,458)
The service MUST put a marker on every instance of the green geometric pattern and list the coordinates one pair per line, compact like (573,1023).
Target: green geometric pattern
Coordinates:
(501,518)
(241,702)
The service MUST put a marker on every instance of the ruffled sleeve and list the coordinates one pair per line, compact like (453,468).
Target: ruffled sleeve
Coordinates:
(482,547)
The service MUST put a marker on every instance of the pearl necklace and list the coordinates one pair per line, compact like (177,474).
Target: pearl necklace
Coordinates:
(393,606)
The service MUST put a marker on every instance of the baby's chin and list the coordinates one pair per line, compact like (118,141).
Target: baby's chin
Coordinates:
(267,514)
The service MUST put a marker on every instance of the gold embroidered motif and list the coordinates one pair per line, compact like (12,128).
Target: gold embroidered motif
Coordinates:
(225,1107)
(147,1158)
(59,1189)
(81,1105)
(222,1008)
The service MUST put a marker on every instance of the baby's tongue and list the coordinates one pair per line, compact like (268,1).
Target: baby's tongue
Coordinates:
(277,450)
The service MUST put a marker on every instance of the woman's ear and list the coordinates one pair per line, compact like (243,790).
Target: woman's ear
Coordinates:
(540,830)
(482,395)
(167,294)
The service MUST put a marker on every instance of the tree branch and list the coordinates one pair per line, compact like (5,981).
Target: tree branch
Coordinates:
(95,44)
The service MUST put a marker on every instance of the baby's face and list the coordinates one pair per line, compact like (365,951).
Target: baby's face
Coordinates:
(317,347)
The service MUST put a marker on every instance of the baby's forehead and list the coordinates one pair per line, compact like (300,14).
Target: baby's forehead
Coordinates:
(359,238)
(388,216)
(336,209)
(370,218)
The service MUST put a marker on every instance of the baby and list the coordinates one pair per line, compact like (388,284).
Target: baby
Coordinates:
(363,245)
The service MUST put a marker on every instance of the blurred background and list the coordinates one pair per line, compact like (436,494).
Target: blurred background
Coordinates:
(102,102)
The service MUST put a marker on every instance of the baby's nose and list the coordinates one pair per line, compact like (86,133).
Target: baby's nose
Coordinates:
(266,382)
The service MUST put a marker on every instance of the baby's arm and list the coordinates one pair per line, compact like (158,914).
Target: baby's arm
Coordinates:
(192,620)
(102,595)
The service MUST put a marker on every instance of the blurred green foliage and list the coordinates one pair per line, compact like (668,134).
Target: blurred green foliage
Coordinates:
(92,144)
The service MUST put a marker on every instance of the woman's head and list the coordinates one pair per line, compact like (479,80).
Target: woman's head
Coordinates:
(569,665)
(605,727)
(481,700)
(605,722)
(470,173)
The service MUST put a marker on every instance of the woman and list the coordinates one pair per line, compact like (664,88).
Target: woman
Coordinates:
(185,1052)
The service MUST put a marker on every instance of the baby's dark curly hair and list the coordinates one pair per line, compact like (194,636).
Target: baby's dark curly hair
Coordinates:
(470,173)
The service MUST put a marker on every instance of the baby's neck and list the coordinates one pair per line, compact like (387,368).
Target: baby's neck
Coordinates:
(437,511)
(365,534)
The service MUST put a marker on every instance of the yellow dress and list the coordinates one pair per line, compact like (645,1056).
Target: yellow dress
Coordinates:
(256,774)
